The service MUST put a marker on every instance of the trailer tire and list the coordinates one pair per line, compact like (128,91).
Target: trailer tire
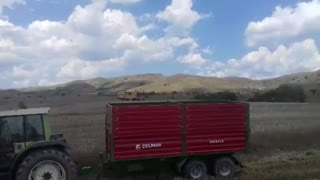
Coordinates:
(49,163)
(195,170)
(224,167)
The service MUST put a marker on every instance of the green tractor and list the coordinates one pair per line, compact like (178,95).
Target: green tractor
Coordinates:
(28,150)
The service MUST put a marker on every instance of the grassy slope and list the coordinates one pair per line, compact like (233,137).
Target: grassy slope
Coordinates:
(155,82)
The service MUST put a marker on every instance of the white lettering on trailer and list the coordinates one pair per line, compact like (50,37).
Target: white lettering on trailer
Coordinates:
(148,146)
(216,141)
(138,147)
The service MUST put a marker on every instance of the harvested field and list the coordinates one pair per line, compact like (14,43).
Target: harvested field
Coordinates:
(281,134)
(284,166)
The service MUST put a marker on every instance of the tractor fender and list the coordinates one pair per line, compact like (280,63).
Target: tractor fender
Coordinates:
(61,145)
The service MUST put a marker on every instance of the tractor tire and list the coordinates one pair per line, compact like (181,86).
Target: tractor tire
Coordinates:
(224,167)
(47,164)
(195,170)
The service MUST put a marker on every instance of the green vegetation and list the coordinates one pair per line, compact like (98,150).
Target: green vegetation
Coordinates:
(284,93)
(219,96)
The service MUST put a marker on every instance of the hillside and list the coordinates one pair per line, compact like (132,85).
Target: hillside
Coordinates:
(184,83)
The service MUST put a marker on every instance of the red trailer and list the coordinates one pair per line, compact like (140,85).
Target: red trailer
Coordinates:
(195,137)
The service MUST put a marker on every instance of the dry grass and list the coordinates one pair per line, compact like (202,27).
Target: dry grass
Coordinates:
(285,166)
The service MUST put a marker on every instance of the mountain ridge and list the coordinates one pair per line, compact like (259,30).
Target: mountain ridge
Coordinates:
(151,82)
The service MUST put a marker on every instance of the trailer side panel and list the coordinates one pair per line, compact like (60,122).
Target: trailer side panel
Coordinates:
(142,132)
(216,128)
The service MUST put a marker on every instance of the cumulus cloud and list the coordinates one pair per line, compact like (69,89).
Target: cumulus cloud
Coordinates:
(207,51)
(27,75)
(93,41)
(285,22)
(180,16)
(9,4)
(79,69)
(262,63)
(193,60)
(125,1)
(153,50)
(21,73)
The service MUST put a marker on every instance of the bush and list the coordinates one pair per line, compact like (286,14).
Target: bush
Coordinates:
(219,96)
(152,93)
(22,105)
(284,93)
(100,94)
(313,91)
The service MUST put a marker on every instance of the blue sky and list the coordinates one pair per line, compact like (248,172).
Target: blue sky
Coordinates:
(46,42)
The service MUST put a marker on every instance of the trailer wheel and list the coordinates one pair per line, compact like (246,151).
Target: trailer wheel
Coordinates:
(48,164)
(224,167)
(195,170)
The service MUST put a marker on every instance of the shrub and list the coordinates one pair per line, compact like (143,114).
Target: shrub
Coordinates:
(100,94)
(219,96)
(313,91)
(284,93)
(22,105)
(152,93)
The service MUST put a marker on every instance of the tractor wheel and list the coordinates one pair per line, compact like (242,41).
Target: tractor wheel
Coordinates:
(195,170)
(47,164)
(224,168)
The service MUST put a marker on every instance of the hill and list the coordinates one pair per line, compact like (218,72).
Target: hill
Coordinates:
(159,83)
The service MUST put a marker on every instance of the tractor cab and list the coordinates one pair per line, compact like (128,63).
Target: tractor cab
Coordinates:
(19,128)
(26,142)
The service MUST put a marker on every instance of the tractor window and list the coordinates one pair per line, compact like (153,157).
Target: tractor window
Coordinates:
(11,131)
(34,128)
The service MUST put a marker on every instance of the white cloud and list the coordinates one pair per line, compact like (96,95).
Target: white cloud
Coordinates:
(285,22)
(79,69)
(147,49)
(262,63)
(207,51)
(93,41)
(7,58)
(56,44)
(193,60)
(9,4)
(177,42)
(148,27)
(143,48)
(125,1)
(21,73)
(180,15)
